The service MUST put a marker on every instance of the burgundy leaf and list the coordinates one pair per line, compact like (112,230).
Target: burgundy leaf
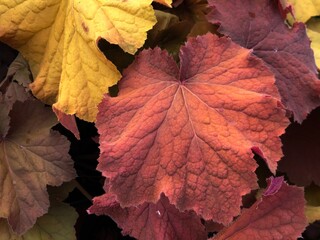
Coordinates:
(258,25)
(276,216)
(151,221)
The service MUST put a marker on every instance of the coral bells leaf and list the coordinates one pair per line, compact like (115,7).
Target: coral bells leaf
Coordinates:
(303,10)
(68,121)
(57,224)
(31,157)
(314,35)
(188,133)
(151,221)
(277,215)
(165,2)
(258,25)
(59,40)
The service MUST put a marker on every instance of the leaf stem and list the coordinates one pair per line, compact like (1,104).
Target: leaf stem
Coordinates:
(4,81)
(82,190)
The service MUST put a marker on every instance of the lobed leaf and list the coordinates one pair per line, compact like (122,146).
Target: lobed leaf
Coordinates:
(304,10)
(260,27)
(31,157)
(13,88)
(68,121)
(151,221)
(165,2)
(19,71)
(59,39)
(312,210)
(277,215)
(57,224)
(188,132)
(313,30)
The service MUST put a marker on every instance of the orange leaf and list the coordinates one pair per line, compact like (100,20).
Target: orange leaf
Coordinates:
(279,214)
(188,133)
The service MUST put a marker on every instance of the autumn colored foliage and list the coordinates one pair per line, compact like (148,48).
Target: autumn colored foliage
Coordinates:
(184,119)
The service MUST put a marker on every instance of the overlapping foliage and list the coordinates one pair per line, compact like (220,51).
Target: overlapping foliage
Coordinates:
(178,141)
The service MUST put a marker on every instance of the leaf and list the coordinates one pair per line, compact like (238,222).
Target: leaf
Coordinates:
(312,213)
(15,85)
(151,221)
(68,121)
(59,40)
(313,31)
(194,12)
(165,20)
(212,226)
(8,96)
(199,9)
(304,10)
(260,27)
(188,133)
(31,157)
(176,3)
(57,224)
(11,91)
(165,2)
(19,71)
(168,33)
(275,216)
(15,92)
(301,160)
(312,195)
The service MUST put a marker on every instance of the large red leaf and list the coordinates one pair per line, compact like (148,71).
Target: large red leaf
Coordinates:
(31,157)
(301,160)
(279,214)
(189,133)
(258,25)
(151,221)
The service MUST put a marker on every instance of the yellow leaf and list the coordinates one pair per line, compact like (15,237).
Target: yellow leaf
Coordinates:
(312,209)
(59,39)
(313,32)
(312,213)
(304,9)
